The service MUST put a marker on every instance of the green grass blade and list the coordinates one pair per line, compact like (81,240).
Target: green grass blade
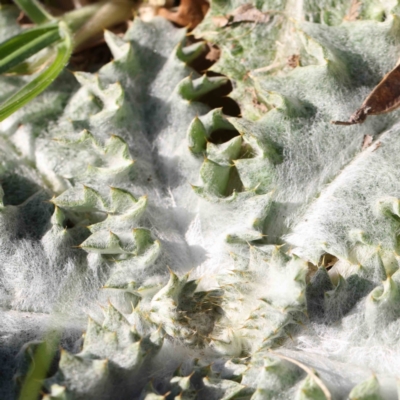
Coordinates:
(37,85)
(39,367)
(32,66)
(34,11)
(20,47)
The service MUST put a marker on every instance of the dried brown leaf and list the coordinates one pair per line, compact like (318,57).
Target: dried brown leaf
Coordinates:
(312,269)
(328,260)
(248,13)
(367,141)
(385,97)
(214,54)
(376,146)
(220,21)
(354,11)
(256,102)
(244,13)
(189,14)
(293,61)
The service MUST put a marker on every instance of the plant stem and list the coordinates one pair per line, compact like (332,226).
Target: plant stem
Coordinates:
(111,13)
(76,18)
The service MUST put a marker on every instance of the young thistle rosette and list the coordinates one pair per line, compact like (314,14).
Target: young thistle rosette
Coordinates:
(299,125)
(97,193)
(288,178)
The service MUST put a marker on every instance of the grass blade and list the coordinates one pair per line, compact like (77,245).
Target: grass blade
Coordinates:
(20,47)
(34,11)
(39,367)
(31,66)
(37,85)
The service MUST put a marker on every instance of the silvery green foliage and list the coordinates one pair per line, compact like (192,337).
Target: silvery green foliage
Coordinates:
(215,290)
(369,389)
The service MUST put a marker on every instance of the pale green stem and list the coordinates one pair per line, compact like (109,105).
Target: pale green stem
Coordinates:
(111,13)
(76,18)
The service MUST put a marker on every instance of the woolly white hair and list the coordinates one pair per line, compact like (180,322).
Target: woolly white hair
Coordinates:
(43,272)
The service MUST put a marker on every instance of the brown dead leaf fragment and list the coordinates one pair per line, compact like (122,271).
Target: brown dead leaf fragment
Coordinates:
(248,13)
(293,61)
(328,261)
(189,14)
(354,11)
(255,100)
(312,269)
(384,98)
(214,54)
(244,13)
(367,141)
(220,21)
(377,145)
